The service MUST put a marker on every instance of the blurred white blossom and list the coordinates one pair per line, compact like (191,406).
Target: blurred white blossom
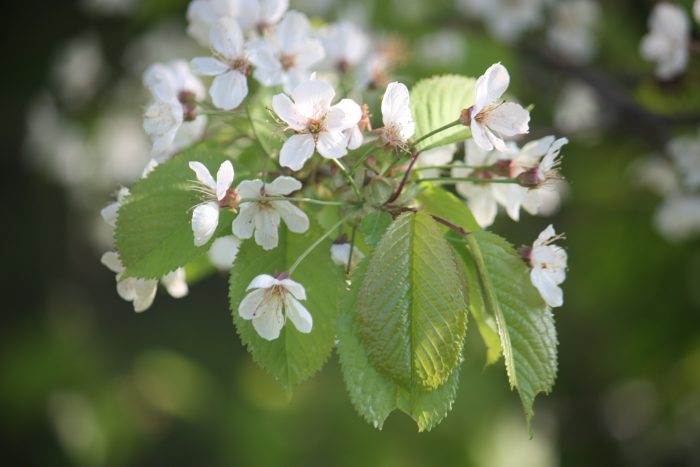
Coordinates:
(346,45)
(442,48)
(340,255)
(685,152)
(202,15)
(79,70)
(223,252)
(577,109)
(572,30)
(548,263)
(678,217)
(667,42)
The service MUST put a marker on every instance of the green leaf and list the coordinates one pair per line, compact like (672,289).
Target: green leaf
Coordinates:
(293,357)
(438,101)
(439,202)
(525,323)
(442,203)
(412,313)
(374,225)
(267,133)
(373,394)
(154,233)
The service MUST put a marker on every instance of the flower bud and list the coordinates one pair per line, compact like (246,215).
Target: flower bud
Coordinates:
(530,178)
(465,118)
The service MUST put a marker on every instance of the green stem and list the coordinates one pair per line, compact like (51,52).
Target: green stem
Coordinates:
(316,244)
(452,180)
(265,199)
(436,131)
(349,177)
(452,166)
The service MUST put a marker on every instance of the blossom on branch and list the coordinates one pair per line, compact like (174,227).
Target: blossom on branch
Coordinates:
(667,42)
(396,115)
(217,194)
(548,263)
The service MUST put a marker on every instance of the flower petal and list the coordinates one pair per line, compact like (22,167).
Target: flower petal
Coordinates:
(550,292)
(343,115)
(332,144)
(203,175)
(224,179)
(267,223)
(112,261)
(287,111)
(299,315)
(223,251)
(144,294)
(395,104)
(313,98)
(294,288)
(209,66)
(491,86)
(243,225)
(205,219)
(270,321)
(250,188)
(249,307)
(296,151)
(262,281)
(228,90)
(282,185)
(226,38)
(508,119)
(297,221)
(176,283)
(479,136)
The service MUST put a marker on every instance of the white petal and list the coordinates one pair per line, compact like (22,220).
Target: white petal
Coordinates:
(223,251)
(296,220)
(267,223)
(550,292)
(176,283)
(287,111)
(209,66)
(243,225)
(313,98)
(203,175)
(508,119)
(249,307)
(144,294)
(483,206)
(282,185)
(205,219)
(491,85)
(224,179)
(355,137)
(546,234)
(395,104)
(296,151)
(270,321)
(228,90)
(310,53)
(294,288)
(332,144)
(479,136)
(299,315)
(343,115)
(109,214)
(227,38)
(250,188)
(112,261)
(272,10)
(263,281)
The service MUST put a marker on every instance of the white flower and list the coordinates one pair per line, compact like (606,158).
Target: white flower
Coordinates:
(109,212)
(261,15)
(217,194)
(142,292)
(548,151)
(656,174)
(176,283)
(442,155)
(548,263)
(346,45)
(263,217)
(442,49)
(571,32)
(685,152)
(318,125)
(396,115)
(223,252)
(272,301)
(490,119)
(667,42)
(577,109)
(287,54)
(340,254)
(203,14)
(229,65)
(483,198)
(506,20)
(171,120)
(678,217)
(373,71)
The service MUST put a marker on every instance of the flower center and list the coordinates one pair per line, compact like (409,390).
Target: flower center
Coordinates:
(240,64)
(315,126)
(230,200)
(189,105)
(288,61)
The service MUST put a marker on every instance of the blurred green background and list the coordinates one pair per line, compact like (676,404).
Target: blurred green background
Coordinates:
(85,381)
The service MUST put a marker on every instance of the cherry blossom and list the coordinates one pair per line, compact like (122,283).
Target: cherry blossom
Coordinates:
(548,263)
(203,14)
(667,42)
(318,126)
(272,301)
(229,65)
(263,217)
(340,255)
(217,194)
(287,54)
(572,31)
(396,115)
(346,45)
(223,252)
(490,119)
(261,15)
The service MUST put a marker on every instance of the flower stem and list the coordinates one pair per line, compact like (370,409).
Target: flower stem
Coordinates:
(265,199)
(316,243)
(452,180)
(349,177)
(406,174)
(436,131)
